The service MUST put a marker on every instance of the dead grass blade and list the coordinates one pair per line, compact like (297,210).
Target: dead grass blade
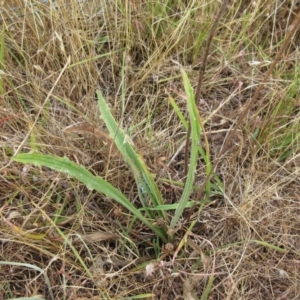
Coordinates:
(98,236)
(2,48)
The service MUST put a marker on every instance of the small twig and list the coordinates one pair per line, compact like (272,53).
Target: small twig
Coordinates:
(209,40)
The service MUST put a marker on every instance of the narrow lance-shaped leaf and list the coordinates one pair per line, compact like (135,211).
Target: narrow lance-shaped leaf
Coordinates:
(144,179)
(92,182)
(195,136)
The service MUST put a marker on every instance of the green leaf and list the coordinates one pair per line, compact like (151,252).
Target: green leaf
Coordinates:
(173,206)
(145,181)
(179,113)
(195,136)
(92,182)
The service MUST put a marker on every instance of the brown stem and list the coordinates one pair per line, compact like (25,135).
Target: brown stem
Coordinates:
(201,76)
(209,40)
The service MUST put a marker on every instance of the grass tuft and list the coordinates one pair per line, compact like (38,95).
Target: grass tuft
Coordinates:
(99,195)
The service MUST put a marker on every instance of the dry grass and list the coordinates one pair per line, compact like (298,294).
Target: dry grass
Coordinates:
(248,235)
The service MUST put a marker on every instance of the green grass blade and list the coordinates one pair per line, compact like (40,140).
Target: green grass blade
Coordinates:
(174,206)
(268,245)
(30,266)
(195,136)
(207,290)
(144,179)
(179,113)
(92,182)
(208,167)
(204,155)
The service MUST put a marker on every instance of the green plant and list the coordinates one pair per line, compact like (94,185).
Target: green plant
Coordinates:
(195,136)
(147,187)
(92,182)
